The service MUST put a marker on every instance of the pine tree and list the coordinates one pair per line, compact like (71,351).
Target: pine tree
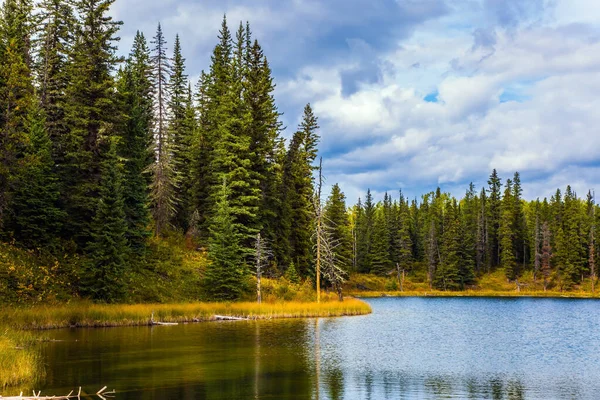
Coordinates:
(56,43)
(104,278)
(447,275)
(494,215)
(336,217)
(506,233)
(403,238)
(16,90)
(298,181)
(379,250)
(135,147)
(364,227)
(90,113)
(36,218)
(181,130)
(226,273)
(546,254)
(266,146)
(164,186)
(482,234)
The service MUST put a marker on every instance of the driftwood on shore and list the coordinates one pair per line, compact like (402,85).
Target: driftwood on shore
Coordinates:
(102,394)
(153,322)
(228,318)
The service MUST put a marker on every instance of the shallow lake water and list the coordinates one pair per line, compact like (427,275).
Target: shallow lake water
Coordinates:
(408,348)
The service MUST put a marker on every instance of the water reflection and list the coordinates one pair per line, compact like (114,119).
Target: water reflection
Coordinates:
(407,349)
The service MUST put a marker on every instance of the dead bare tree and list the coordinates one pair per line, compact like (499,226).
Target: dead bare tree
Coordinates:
(262,255)
(330,258)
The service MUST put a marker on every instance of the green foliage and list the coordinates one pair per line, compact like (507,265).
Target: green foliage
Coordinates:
(136,89)
(291,274)
(90,113)
(108,247)
(226,274)
(36,217)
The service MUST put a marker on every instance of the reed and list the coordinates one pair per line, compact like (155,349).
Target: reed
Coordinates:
(102,315)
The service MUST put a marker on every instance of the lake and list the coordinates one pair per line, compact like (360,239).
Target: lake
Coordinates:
(408,348)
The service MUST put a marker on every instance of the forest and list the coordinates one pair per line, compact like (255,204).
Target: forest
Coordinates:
(120,175)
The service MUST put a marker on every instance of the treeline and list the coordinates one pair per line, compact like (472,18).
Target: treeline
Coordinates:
(456,241)
(99,153)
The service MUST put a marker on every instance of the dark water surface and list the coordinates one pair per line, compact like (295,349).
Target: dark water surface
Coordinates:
(409,348)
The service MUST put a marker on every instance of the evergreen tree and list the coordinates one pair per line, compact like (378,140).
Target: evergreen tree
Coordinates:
(56,44)
(107,250)
(298,181)
(181,130)
(506,233)
(226,273)
(135,147)
(546,254)
(378,255)
(336,217)
(266,146)
(163,187)
(493,219)
(447,275)
(36,217)
(403,238)
(90,113)
(16,90)
(364,228)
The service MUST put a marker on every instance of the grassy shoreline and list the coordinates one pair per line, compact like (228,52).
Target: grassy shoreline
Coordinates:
(474,293)
(20,359)
(102,315)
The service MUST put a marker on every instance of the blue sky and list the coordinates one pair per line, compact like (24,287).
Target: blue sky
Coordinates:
(412,94)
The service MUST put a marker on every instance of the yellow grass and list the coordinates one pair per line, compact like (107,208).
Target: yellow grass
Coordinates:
(19,363)
(99,315)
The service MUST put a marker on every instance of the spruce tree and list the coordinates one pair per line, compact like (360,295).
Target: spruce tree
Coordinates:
(180,133)
(56,43)
(107,250)
(404,242)
(135,147)
(379,250)
(298,179)
(506,233)
(336,217)
(16,90)
(493,218)
(163,187)
(448,274)
(226,272)
(90,113)
(36,218)
(266,146)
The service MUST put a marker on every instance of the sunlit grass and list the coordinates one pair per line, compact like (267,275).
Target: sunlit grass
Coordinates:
(99,315)
(19,362)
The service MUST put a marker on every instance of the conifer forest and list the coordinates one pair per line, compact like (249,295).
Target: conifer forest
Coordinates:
(121,170)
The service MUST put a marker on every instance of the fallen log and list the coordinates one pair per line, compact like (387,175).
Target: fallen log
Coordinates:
(229,318)
(153,322)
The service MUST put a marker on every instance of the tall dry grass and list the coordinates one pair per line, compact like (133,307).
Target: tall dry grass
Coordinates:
(19,361)
(102,315)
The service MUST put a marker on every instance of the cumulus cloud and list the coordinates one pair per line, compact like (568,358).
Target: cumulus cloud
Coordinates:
(515,84)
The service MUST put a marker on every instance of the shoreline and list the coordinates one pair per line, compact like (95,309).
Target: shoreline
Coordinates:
(481,294)
(20,359)
(88,315)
